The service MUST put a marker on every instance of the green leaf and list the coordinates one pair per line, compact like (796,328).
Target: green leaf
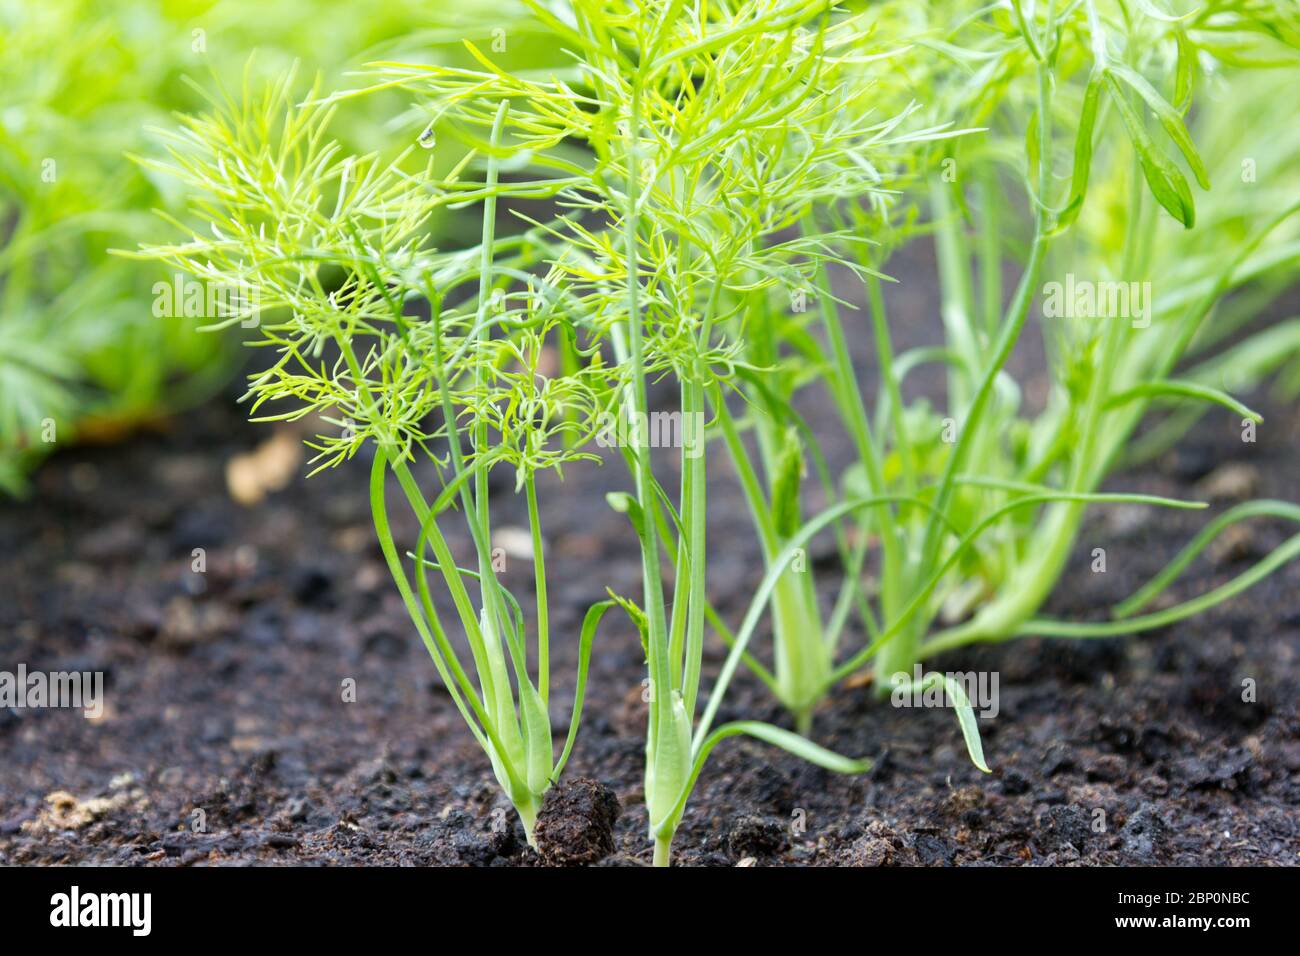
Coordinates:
(1166,182)
(1173,388)
(535,728)
(1287,551)
(1185,74)
(801,747)
(669,776)
(588,635)
(1168,116)
(1250,509)
(961,707)
(624,503)
(1082,152)
(1027,29)
(637,616)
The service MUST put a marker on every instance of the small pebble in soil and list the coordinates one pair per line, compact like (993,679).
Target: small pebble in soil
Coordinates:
(880,845)
(1237,543)
(576,823)
(1290,754)
(278,841)
(1117,731)
(1143,833)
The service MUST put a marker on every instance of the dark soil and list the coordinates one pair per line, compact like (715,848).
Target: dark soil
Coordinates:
(227,738)
(576,824)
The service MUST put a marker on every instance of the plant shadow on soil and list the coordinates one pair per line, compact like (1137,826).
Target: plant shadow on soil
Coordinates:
(226,739)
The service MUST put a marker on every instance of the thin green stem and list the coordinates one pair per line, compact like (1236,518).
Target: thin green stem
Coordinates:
(1017,313)
(539,579)
(885,359)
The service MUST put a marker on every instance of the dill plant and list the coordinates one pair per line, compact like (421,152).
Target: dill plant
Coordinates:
(694,161)
(282,206)
(676,144)
(279,202)
(706,129)
(1085,104)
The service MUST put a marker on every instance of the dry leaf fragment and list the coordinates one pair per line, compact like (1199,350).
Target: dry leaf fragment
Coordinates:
(268,467)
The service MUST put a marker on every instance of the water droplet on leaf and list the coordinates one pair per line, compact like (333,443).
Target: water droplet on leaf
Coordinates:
(428,139)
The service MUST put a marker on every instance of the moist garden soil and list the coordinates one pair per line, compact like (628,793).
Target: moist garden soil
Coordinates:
(228,736)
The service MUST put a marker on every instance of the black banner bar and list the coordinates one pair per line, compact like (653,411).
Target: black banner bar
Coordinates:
(297,906)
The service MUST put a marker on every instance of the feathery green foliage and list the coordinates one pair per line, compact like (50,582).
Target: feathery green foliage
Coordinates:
(701,137)
(415,386)
(701,166)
